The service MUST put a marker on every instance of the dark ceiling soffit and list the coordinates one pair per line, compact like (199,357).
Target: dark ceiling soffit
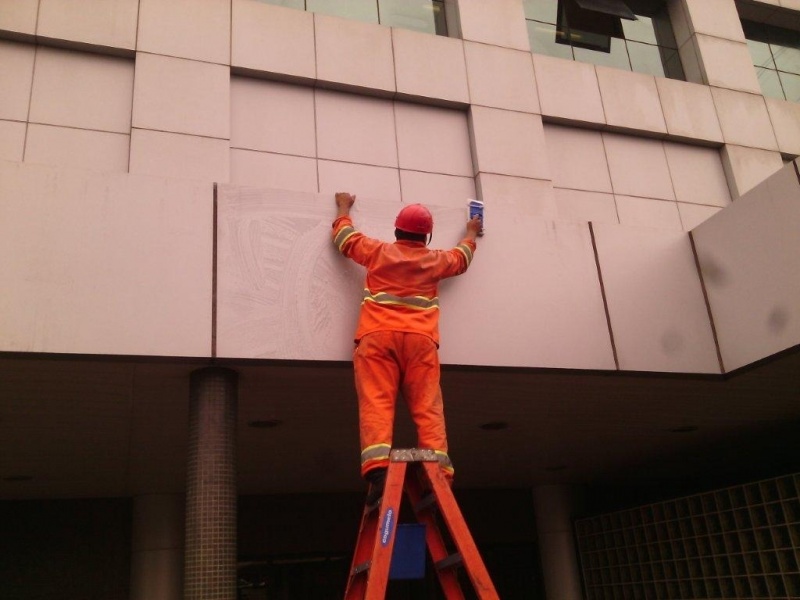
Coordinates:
(616,8)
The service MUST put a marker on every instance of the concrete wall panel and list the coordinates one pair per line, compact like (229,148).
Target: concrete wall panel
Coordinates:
(744,119)
(577,159)
(535,197)
(508,143)
(19,16)
(630,100)
(78,148)
(79,89)
(109,23)
(655,300)
(433,188)
(444,78)
(181,96)
(270,170)
(284,292)
(356,129)
(501,77)
(568,90)
(499,23)
(180,156)
(576,205)
(354,53)
(365,181)
(16,77)
(186,29)
(272,39)
(785,118)
(435,140)
(272,116)
(697,174)
(111,264)
(638,167)
(647,212)
(748,257)
(747,167)
(689,110)
(12,140)
(726,64)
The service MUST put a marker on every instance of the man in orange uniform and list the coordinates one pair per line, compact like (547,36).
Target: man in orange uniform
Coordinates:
(397,338)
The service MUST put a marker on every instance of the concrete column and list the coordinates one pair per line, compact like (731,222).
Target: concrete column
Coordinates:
(553,505)
(157,553)
(210,567)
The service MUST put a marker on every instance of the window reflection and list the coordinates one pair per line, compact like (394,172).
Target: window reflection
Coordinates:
(776,56)
(592,32)
(427,16)
(357,10)
(791,86)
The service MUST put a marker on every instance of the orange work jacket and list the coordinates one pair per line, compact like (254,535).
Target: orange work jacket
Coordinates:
(401,288)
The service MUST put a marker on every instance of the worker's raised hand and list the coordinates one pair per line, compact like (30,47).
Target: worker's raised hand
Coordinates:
(344,200)
(474,226)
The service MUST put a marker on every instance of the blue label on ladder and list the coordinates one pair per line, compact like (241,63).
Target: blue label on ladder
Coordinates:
(387,527)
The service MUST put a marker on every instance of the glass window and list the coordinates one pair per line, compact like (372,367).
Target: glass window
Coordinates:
(592,32)
(776,56)
(427,16)
(357,10)
(791,86)
(786,59)
(616,57)
(543,40)
(770,83)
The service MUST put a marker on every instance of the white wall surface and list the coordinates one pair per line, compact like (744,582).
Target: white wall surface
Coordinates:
(748,257)
(104,264)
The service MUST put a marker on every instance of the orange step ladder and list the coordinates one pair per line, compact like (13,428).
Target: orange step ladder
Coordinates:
(417,472)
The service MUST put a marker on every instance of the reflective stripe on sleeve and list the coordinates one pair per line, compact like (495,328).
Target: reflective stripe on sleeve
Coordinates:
(344,234)
(416,302)
(466,251)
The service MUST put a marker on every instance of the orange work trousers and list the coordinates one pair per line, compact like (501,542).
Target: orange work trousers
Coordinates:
(386,362)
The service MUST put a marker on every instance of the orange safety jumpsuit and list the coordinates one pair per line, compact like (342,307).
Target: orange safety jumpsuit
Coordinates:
(397,338)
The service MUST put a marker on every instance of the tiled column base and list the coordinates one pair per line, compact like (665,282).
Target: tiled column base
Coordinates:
(210,568)
(553,507)
(157,549)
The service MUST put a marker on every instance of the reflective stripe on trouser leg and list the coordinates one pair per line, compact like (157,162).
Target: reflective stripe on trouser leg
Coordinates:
(377,375)
(421,390)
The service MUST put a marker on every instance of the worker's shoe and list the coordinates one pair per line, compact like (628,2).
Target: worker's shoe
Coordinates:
(377,482)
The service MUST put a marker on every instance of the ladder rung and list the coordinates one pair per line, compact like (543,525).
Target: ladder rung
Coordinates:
(362,567)
(449,561)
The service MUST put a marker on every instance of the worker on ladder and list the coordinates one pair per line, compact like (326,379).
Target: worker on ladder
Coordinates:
(397,337)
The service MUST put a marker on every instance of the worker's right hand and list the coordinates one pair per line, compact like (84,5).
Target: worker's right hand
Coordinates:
(474,226)
(345,200)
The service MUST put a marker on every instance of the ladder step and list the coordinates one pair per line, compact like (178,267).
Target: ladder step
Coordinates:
(448,562)
(361,568)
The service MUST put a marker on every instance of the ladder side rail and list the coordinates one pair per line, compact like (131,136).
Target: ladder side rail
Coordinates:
(451,513)
(357,582)
(383,541)
(448,578)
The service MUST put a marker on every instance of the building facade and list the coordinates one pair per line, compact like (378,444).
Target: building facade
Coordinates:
(177,413)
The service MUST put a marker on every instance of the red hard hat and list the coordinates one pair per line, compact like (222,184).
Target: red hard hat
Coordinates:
(414,218)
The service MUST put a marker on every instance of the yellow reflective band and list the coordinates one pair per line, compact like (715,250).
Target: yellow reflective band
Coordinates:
(466,251)
(375,452)
(415,302)
(345,233)
(444,460)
